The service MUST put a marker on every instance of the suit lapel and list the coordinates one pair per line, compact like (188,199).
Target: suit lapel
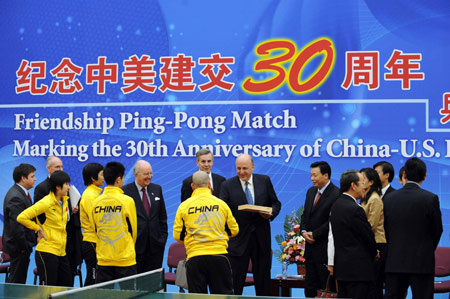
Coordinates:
(151,194)
(311,199)
(240,199)
(24,195)
(349,198)
(215,184)
(322,199)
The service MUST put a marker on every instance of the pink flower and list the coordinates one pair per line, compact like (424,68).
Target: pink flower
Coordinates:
(288,257)
(297,226)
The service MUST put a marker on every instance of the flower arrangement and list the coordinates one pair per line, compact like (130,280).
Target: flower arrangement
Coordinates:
(292,243)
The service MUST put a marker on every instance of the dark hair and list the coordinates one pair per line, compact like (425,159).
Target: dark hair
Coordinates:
(58,179)
(323,166)
(22,170)
(387,168)
(400,173)
(372,175)
(415,170)
(112,171)
(347,178)
(90,171)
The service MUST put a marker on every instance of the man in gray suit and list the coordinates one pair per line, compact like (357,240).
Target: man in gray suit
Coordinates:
(18,241)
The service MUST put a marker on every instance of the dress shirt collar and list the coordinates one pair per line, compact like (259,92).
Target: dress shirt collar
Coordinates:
(139,187)
(323,188)
(250,182)
(23,188)
(413,183)
(350,196)
(383,191)
(211,180)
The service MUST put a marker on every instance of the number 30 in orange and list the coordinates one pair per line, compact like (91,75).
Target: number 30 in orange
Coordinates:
(276,53)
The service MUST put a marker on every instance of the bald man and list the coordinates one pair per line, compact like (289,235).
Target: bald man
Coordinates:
(52,164)
(254,240)
(204,223)
(151,218)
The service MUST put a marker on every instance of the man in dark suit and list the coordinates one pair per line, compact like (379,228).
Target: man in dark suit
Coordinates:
(73,227)
(151,218)
(314,226)
(18,241)
(412,216)
(386,172)
(205,160)
(354,241)
(254,239)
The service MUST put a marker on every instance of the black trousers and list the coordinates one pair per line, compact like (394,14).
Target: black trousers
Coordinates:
(107,273)
(150,259)
(90,258)
(422,285)
(18,268)
(355,289)
(53,270)
(261,263)
(209,270)
(316,278)
(378,268)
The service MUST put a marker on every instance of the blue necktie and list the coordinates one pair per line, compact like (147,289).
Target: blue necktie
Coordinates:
(248,194)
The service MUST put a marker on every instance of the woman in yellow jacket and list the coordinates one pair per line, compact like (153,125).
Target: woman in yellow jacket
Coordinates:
(373,206)
(51,261)
(93,179)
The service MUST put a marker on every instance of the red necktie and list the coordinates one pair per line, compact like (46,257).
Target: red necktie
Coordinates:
(29,197)
(317,198)
(145,202)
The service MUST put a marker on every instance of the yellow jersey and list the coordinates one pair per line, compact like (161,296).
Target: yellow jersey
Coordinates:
(115,222)
(88,197)
(54,226)
(204,223)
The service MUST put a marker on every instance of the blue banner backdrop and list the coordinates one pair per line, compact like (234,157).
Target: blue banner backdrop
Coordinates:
(290,82)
